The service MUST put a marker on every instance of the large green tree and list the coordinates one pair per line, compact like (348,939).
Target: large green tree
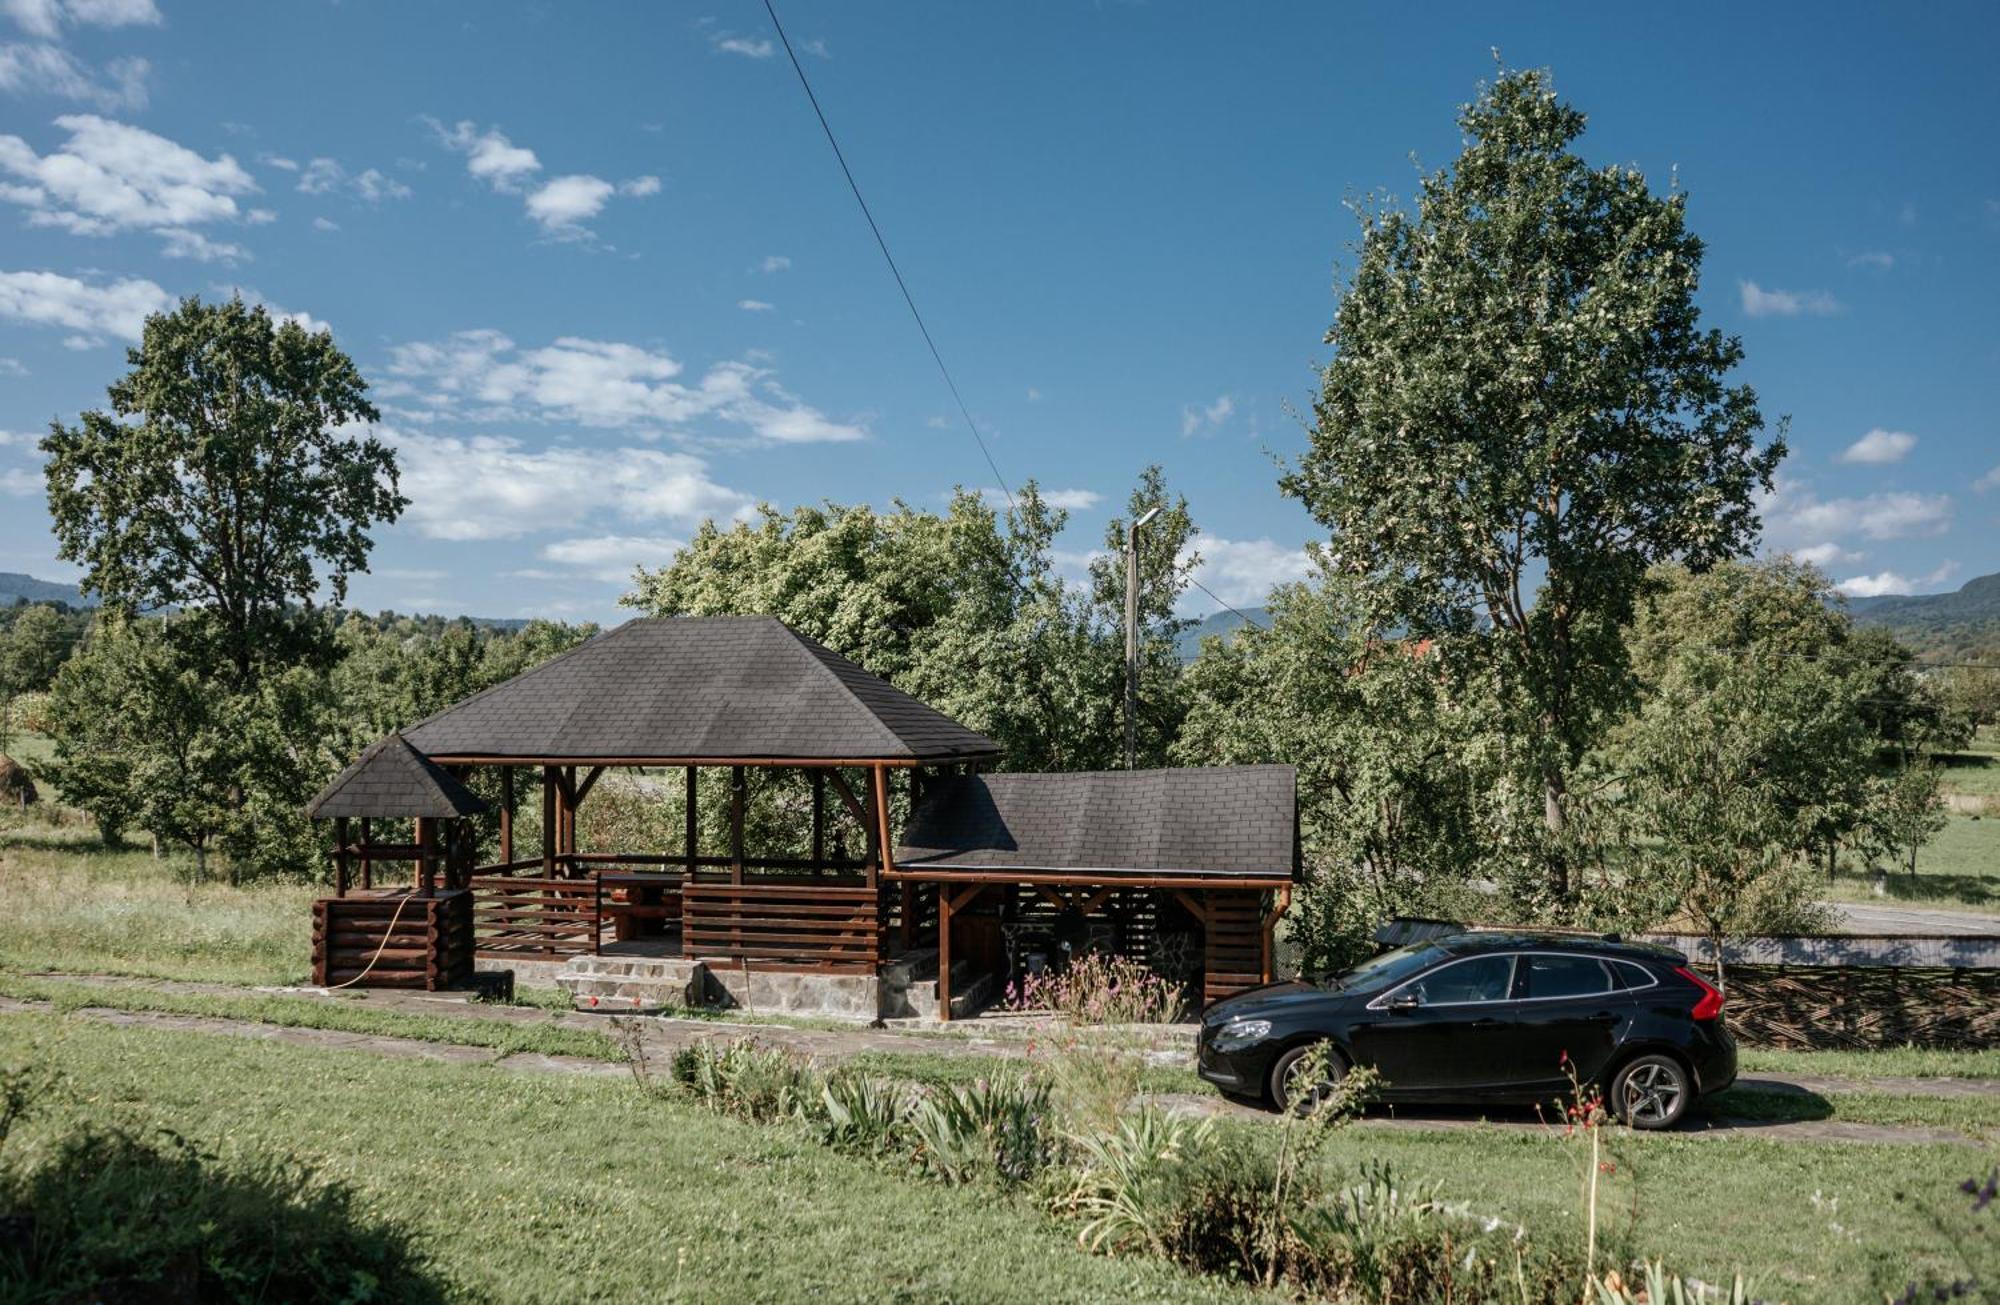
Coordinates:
(33,644)
(227,476)
(1522,415)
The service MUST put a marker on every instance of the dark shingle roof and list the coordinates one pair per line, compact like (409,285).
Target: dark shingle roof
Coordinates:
(393,779)
(1232,820)
(699,686)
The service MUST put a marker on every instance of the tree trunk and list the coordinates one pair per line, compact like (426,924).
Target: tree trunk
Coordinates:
(201,862)
(1556,821)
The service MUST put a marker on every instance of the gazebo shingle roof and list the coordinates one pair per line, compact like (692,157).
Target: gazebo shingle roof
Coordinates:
(391,779)
(1223,821)
(711,687)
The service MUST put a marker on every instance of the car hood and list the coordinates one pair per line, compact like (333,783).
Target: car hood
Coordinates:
(1271,999)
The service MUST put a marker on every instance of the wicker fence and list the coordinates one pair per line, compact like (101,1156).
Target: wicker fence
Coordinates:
(1860,992)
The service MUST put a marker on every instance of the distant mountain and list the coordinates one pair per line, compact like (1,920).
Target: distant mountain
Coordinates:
(15,587)
(1220,623)
(1976,600)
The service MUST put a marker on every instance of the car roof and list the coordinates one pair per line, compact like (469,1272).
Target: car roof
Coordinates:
(1473,943)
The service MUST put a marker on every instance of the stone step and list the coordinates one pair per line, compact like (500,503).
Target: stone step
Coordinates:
(634,983)
(970,994)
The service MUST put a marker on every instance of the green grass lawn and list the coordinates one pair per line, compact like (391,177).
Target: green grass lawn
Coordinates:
(1958,870)
(529,1189)
(1891,1062)
(1977,769)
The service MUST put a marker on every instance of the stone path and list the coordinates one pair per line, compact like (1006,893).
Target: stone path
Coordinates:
(1013,1040)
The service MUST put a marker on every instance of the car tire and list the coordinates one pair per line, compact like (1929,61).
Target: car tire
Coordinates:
(1651,1092)
(1285,1092)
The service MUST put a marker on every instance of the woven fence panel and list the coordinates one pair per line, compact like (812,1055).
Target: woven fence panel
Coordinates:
(1861,1007)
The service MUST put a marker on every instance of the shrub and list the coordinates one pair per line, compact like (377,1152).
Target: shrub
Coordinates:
(995,1126)
(1099,989)
(862,1112)
(1133,1188)
(740,1078)
(1662,1288)
(108,1216)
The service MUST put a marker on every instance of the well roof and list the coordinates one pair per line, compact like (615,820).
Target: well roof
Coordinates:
(391,779)
(1228,821)
(709,687)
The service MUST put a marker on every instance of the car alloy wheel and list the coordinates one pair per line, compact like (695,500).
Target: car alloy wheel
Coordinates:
(1651,1092)
(1292,1082)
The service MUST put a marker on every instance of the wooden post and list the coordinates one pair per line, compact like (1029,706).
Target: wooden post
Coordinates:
(367,861)
(693,822)
(340,856)
(506,815)
(566,817)
(548,822)
(426,856)
(944,953)
(736,824)
(819,821)
(882,835)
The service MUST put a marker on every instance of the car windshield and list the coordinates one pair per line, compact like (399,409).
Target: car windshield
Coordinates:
(1388,969)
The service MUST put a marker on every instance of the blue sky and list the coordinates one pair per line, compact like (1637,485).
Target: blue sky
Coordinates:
(606,279)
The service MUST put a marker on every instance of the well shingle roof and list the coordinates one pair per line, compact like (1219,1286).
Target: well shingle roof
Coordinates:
(1229,820)
(392,779)
(664,688)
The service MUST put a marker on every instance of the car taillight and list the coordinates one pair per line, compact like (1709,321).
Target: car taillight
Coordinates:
(1709,1005)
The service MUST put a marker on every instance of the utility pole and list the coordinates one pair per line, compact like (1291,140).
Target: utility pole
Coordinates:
(1132,637)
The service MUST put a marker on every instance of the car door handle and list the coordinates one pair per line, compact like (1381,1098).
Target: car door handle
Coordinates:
(1488,1023)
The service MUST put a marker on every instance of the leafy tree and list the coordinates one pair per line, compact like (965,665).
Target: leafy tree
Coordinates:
(225,478)
(1908,811)
(32,647)
(1522,415)
(1393,746)
(1720,762)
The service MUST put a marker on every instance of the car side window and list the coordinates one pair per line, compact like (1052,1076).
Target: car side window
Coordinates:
(1632,976)
(1481,978)
(1551,975)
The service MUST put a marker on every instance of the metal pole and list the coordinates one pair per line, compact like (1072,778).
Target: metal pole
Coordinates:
(1132,637)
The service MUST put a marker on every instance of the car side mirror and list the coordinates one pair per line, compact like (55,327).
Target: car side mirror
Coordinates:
(1405,1002)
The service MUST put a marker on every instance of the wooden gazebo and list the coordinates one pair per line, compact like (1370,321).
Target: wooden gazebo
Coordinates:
(748,696)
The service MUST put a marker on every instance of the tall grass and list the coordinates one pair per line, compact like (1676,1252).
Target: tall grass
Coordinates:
(70,903)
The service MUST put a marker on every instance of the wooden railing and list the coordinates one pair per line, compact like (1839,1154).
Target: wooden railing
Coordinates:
(518,917)
(774,924)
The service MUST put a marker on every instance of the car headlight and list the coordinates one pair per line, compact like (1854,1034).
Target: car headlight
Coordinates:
(1238,1034)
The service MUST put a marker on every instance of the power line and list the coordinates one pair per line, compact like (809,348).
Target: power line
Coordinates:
(887,257)
(1247,618)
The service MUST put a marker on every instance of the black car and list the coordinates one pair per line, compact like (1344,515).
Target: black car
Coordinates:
(1488,1017)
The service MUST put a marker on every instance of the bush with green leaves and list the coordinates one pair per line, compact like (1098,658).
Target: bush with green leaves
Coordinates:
(740,1078)
(862,1112)
(997,1127)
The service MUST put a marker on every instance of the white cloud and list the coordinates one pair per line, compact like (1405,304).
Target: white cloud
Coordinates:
(1759,302)
(12,367)
(18,439)
(110,176)
(565,203)
(1991,480)
(324,176)
(754,305)
(1034,395)
(613,557)
(46,18)
(1879,446)
(1889,582)
(480,375)
(1072,500)
(22,482)
(750,47)
(1874,259)
(40,68)
(1193,419)
(559,206)
(118,308)
(489,155)
(1793,514)
(1242,572)
(487,487)
(775,263)
(325,224)
(1826,554)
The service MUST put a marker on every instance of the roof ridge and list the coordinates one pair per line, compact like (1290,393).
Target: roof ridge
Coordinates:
(817,652)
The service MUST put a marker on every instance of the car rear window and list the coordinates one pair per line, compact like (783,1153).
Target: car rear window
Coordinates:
(1483,978)
(1566,976)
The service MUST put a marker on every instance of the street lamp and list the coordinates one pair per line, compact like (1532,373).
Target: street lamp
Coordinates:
(1132,635)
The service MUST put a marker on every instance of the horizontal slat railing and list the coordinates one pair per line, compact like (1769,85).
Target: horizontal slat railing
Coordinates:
(515,917)
(783,926)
